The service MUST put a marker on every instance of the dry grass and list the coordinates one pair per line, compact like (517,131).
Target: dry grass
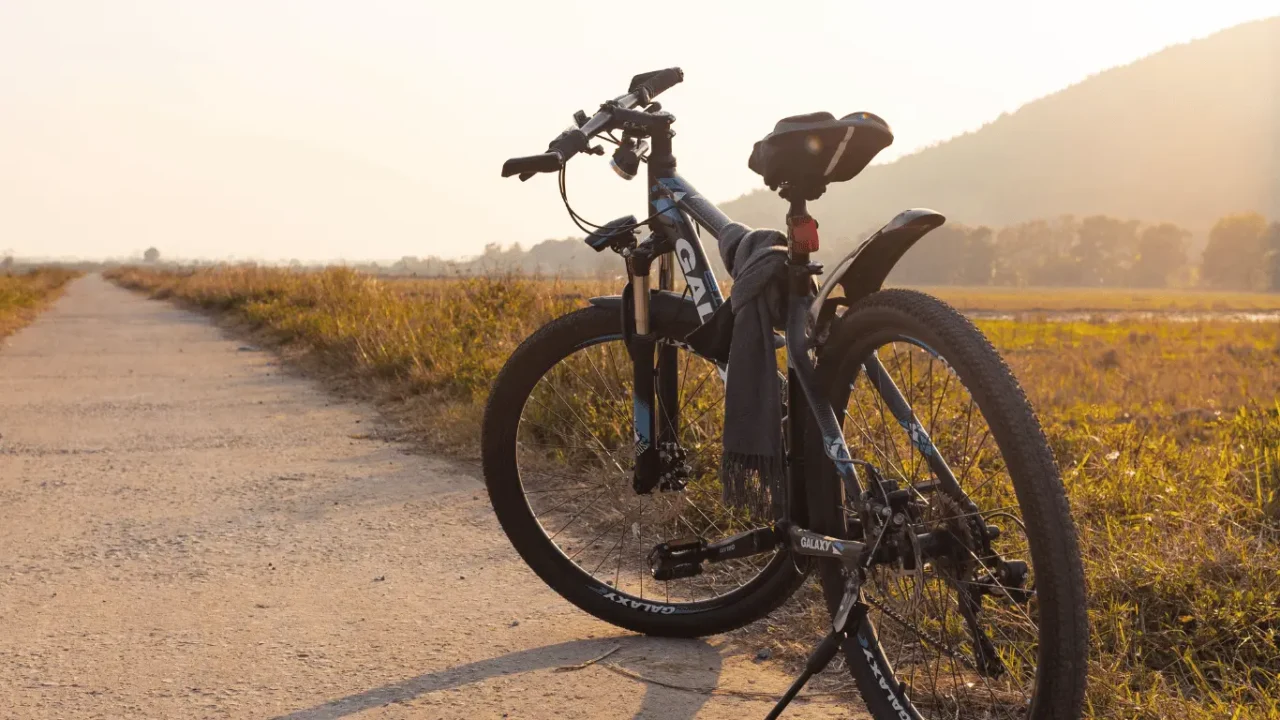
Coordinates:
(23,295)
(1168,435)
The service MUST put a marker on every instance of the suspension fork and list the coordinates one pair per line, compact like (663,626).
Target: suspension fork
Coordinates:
(641,344)
(668,395)
(655,386)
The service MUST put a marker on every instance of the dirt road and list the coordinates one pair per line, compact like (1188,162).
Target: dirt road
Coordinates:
(187,530)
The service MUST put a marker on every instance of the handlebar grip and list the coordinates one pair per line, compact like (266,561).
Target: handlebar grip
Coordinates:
(655,83)
(546,162)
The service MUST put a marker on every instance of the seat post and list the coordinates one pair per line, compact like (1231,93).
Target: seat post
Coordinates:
(798,209)
(802,230)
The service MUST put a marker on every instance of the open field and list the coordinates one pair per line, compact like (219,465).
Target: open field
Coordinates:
(1168,436)
(23,294)
(1043,300)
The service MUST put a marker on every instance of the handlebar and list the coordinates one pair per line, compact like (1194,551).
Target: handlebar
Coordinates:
(653,84)
(532,164)
(644,88)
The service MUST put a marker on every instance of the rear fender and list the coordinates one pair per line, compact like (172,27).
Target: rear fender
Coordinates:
(863,271)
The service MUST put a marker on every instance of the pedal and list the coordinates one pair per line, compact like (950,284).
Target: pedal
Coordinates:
(675,548)
(676,571)
(677,558)
(684,557)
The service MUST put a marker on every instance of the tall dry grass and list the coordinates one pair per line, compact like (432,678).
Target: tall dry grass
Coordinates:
(1168,436)
(23,294)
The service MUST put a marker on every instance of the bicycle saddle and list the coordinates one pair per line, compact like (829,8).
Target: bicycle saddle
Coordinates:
(815,149)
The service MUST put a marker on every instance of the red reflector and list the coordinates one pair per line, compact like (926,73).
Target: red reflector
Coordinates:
(803,232)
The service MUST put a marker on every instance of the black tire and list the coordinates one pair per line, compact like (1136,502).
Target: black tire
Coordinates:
(535,358)
(893,316)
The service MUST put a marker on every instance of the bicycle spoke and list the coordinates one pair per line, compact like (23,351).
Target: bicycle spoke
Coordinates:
(572,430)
(930,640)
(609,553)
(578,514)
(584,426)
(906,387)
(553,490)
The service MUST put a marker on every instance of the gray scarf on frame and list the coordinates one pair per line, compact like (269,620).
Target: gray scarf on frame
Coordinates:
(753,466)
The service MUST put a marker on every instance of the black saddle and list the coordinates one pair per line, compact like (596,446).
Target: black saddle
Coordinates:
(809,151)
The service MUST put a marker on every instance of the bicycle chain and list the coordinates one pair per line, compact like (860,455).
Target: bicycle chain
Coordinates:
(919,632)
(948,504)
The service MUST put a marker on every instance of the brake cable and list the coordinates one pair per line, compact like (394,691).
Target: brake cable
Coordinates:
(589,227)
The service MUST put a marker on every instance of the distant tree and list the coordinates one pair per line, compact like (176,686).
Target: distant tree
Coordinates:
(6,264)
(1162,253)
(1236,256)
(950,255)
(1273,256)
(1037,252)
(151,255)
(1018,247)
(977,264)
(933,258)
(1104,250)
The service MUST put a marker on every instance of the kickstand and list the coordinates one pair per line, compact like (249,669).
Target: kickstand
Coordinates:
(850,615)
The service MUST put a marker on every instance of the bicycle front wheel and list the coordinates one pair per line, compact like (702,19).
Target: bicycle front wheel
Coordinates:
(558,454)
(976,603)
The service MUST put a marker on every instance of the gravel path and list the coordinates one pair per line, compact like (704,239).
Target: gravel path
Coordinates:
(188,531)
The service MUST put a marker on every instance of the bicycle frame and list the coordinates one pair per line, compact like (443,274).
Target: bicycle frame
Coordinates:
(679,209)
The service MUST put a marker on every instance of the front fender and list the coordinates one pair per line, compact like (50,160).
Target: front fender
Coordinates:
(863,271)
(666,308)
(670,312)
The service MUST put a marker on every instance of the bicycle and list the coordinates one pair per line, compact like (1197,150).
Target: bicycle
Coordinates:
(949,565)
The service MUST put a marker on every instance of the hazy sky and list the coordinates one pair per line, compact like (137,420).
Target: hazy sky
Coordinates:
(320,129)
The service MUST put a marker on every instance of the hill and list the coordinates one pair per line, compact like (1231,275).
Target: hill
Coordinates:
(1120,180)
(1186,135)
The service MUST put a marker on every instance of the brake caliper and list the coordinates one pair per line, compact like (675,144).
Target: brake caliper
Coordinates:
(675,469)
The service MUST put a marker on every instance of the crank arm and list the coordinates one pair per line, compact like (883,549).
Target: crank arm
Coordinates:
(684,558)
(850,552)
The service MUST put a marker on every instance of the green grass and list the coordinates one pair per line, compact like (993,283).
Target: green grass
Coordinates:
(22,295)
(1167,433)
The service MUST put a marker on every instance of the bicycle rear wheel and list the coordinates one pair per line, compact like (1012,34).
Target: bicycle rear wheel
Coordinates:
(978,610)
(558,453)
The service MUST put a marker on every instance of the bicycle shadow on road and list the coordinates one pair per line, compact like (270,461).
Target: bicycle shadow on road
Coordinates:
(696,664)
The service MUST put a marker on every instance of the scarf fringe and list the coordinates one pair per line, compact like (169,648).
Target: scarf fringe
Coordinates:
(755,483)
